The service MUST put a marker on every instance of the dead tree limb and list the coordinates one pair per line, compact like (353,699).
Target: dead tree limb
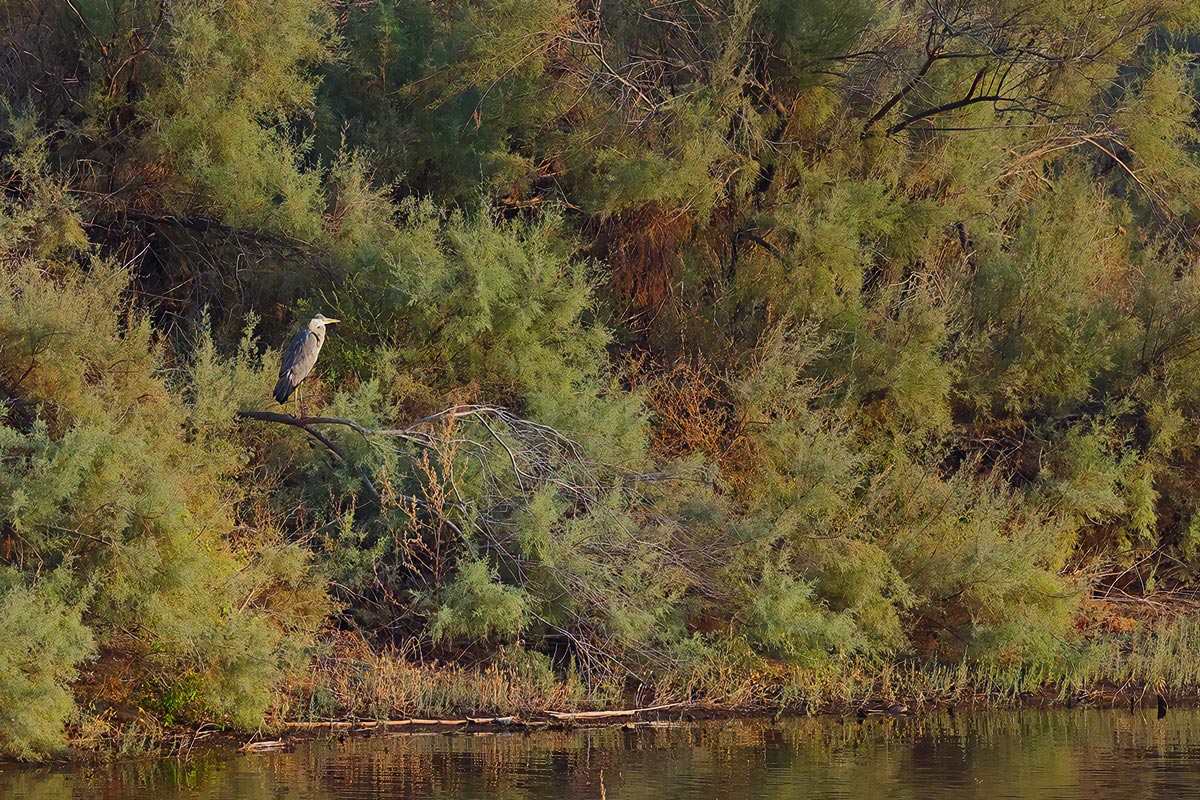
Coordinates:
(305,424)
(904,91)
(531,459)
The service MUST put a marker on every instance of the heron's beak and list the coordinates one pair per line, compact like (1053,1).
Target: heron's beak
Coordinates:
(327,321)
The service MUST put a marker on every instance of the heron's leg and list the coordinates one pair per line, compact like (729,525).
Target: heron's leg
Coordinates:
(300,401)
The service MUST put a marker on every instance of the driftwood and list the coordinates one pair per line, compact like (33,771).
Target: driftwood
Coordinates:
(565,716)
(371,724)
(493,720)
(263,747)
(559,716)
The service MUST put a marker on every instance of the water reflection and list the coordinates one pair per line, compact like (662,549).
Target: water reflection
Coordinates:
(1069,754)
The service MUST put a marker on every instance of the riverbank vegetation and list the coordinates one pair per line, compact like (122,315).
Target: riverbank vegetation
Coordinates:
(752,349)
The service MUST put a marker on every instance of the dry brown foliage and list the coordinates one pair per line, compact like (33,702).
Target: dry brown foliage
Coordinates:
(691,408)
(642,246)
(359,681)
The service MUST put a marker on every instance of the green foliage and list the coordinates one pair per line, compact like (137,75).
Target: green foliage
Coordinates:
(809,31)
(42,642)
(105,484)
(45,222)
(784,620)
(219,106)
(474,605)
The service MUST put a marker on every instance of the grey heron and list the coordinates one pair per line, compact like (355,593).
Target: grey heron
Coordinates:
(299,357)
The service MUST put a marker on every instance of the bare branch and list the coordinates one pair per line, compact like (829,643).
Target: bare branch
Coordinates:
(900,95)
(945,107)
(305,424)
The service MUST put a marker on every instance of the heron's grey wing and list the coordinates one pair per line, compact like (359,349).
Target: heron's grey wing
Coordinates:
(298,360)
(290,353)
(302,354)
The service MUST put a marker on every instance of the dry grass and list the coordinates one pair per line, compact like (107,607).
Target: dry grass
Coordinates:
(353,681)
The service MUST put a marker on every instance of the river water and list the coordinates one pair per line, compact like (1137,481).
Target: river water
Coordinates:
(1030,754)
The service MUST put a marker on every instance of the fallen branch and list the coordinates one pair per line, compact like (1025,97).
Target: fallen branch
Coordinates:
(540,457)
(628,712)
(384,723)
(561,716)
(263,747)
(529,462)
(410,432)
(301,422)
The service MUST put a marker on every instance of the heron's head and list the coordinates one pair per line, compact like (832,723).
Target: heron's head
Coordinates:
(322,320)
